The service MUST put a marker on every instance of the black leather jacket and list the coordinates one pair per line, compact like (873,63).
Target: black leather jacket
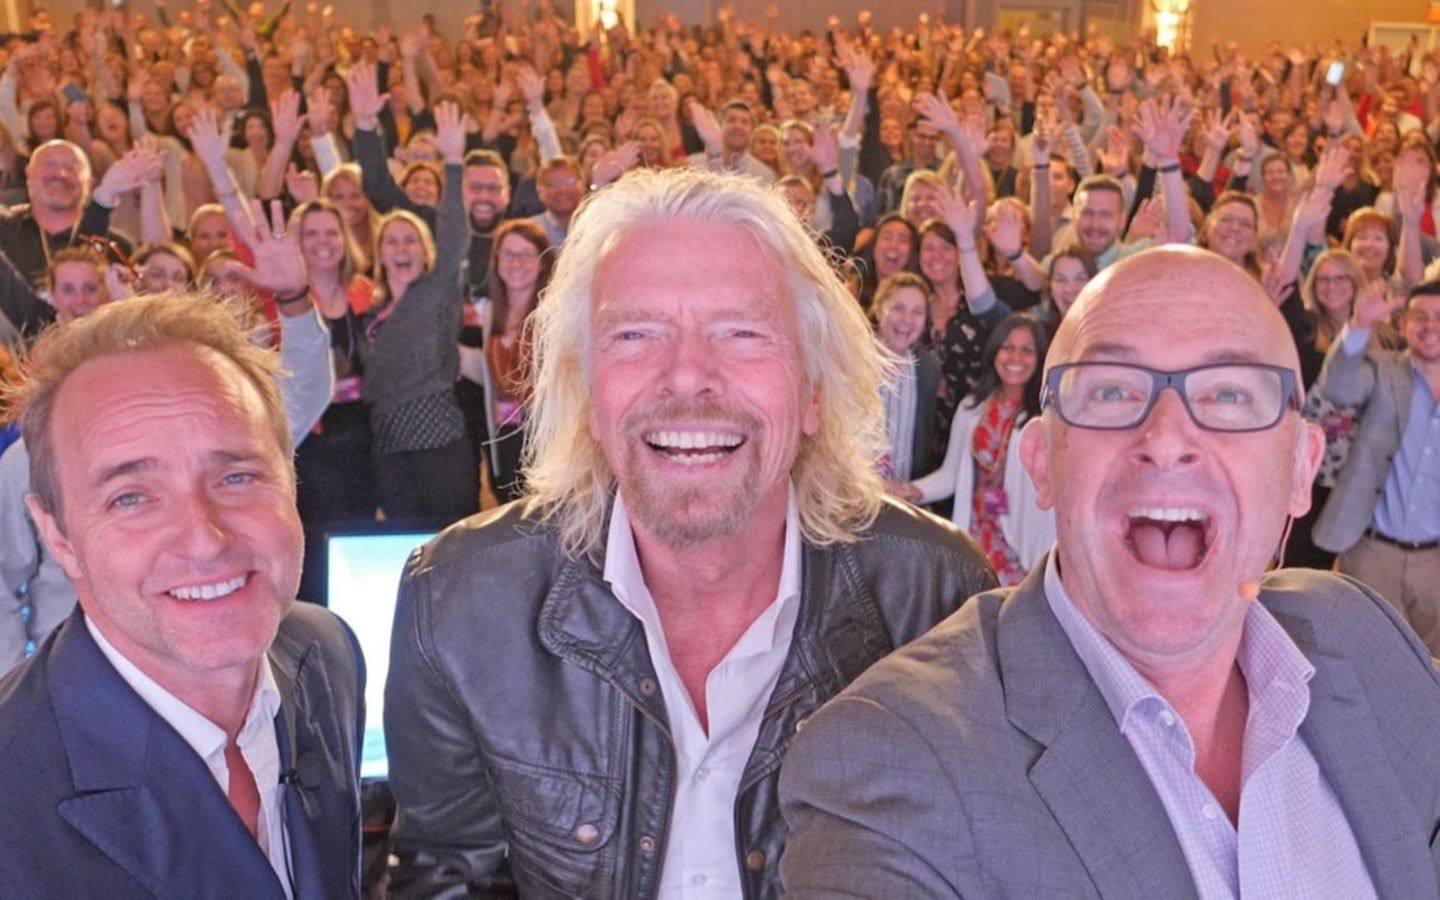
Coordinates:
(529,750)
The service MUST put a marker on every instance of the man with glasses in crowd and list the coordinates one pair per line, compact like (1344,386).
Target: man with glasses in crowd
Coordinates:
(1099,730)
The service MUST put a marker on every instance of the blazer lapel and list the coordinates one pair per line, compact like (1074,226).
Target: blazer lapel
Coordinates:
(1343,734)
(317,866)
(1087,774)
(142,795)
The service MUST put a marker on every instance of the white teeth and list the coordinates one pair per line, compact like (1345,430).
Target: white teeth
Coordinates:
(1168,514)
(209,591)
(692,440)
(699,459)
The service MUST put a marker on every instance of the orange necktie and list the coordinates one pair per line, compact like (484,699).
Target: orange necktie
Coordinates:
(244,795)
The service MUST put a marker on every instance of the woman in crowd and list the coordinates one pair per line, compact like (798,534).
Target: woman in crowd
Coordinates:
(901,309)
(336,484)
(1232,230)
(425,464)
(168,266)
(342,187)
(994,500)
(520,264)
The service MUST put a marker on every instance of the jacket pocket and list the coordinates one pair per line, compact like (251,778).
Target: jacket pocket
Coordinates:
(559,824)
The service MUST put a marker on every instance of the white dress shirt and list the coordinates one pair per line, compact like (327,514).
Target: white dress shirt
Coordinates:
(700,857)
(258,745)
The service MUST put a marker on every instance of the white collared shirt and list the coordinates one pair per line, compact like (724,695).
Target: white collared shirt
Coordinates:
(700,856)
(257,739)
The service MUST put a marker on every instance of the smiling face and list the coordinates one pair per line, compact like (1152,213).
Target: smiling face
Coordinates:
(210,233)
(1068,276)
(1334,289)
(518,263)
(1371,248)
(797,149)
(177,522)
(162,272)
(402,254)
(700,399)
(892,249)
(1100,220)
(345,193)
(939,260)
(922,202)
(487,196)
(77,288)
(1016,361)
(1422,329)
(422,187)
(322,240)
(1231,232)
(1158,524)
(58,178)
(901,318)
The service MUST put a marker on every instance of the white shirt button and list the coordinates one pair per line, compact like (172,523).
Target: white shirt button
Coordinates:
(702,773)
(1210,811)
(697,880)
(1167,718)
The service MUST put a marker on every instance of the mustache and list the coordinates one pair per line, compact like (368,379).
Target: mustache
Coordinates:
(673,408)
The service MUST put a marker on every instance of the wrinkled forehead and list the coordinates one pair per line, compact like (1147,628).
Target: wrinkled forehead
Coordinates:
(1171,311)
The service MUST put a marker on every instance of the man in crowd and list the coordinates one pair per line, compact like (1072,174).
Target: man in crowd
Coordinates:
(189,731)
(924,156)
(561,190)
(590,691)
(1383,516)
(1146,715)
(727,142)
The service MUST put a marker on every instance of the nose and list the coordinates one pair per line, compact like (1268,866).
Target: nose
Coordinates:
(200,531)
(690,370)
(1168,436)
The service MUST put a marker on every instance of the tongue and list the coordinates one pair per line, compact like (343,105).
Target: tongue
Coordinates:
(1179,549)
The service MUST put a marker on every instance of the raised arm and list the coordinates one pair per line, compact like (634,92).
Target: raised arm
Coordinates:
(452,234)
(1162,128)
(211,139)
(285,118)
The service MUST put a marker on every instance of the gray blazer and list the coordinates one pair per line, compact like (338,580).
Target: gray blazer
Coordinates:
(982,761)
(1380,383)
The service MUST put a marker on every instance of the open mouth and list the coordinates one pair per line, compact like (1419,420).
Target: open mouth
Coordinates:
(693,448)
(1176,538)
(214,591)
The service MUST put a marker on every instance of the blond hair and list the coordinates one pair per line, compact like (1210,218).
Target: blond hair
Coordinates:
(569,482)
(168,319)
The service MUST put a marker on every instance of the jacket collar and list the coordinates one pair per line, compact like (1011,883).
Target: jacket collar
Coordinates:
(1087,774)
(142,796)
(838,632)
(1097,790)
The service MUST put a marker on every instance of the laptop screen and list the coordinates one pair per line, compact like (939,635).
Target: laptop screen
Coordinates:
(362,575)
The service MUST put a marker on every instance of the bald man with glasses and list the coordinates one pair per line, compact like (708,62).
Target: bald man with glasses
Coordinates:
(1151,713)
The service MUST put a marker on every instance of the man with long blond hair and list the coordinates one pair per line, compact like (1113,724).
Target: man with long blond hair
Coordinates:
(591,689)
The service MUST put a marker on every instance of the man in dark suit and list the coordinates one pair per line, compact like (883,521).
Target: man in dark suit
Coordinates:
(188,732)
(1145,716)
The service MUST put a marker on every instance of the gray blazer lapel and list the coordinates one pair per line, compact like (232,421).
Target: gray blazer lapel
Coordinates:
(1343,734)
(1400,379)
(1087,774)
(142,796)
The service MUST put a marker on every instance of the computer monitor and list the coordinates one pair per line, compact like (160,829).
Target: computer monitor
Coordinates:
(362,572)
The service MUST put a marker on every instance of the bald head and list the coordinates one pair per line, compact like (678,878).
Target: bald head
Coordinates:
(1205,304)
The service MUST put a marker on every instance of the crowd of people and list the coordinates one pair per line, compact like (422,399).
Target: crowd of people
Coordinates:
(429,181)
(721,306)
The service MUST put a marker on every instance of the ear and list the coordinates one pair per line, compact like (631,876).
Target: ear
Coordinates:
(55,539)
(1309,452)
(1035,456)
(810,416)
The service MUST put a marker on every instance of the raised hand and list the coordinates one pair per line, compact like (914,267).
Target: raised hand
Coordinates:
(139,166)
(706,127)
(450,133)
(209,138)
(532,86)
(279,265)
(962,216)
(1042,139)
(1148,221)
(302,185)
(1006,230)
(1412,171)
(614,163)
(1114,157)
(366,101)
(1374,303)
(824,151)
(1162,127)
(933,109)
(1333,166)
(861,71)
(1218,129)
(1249,136)
(320,112)
(285,117)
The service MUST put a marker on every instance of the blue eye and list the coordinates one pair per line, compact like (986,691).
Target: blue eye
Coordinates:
(126,501)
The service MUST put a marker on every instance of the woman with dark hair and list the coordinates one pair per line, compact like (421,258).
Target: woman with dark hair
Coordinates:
(994,498)
(520,264)
(891,252)
(166,266)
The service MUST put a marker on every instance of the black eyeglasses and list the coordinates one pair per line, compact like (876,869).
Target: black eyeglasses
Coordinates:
(1232,397)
